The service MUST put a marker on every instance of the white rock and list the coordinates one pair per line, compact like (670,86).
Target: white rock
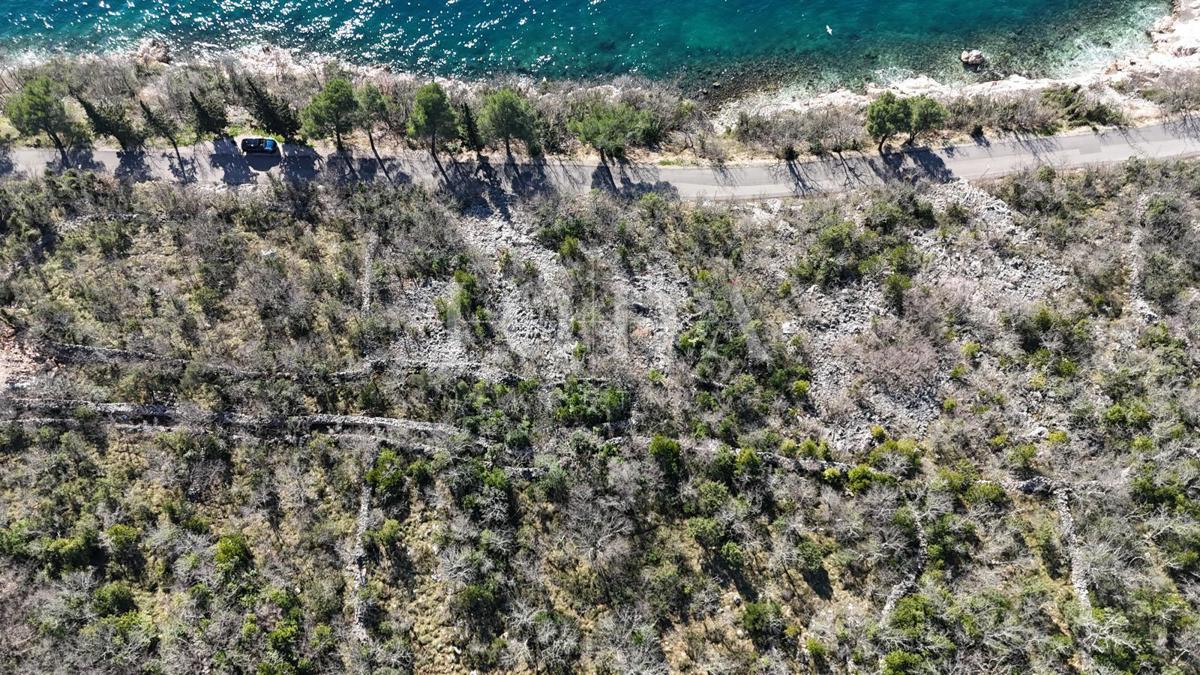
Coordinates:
(973,58)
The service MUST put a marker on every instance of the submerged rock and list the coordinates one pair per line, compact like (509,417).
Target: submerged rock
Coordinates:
(153,50)
(973,58)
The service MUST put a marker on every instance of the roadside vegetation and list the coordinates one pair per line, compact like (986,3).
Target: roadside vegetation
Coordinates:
(310,427)
(70,104)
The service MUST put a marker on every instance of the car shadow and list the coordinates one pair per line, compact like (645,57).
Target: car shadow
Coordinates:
(263,162)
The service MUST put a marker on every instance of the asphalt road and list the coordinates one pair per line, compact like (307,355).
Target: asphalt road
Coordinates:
(220,162)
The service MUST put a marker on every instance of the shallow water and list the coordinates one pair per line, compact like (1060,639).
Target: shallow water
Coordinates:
(819,40)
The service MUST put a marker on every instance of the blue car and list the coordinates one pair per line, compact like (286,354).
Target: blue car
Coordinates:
(259,146)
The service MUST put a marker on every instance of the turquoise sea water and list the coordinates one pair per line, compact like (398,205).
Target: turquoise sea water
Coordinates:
(817,40)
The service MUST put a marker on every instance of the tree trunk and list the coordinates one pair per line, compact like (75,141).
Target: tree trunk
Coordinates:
(62,149)
(881,142)
(507,146)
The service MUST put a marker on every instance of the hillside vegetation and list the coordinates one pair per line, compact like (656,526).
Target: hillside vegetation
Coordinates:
(328,428)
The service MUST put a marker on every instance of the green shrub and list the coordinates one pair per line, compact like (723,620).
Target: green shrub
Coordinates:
(985,492)
(900,662)
(711,497)
(233,556)
(388,474)
(114,598)
(612,128)
(479,601)
(912,615)
(810,555)
(581,403)
(1080,109)
(390,532)
(748,464)
(70,553)
(668,454)
(818,652)
(706,531)
(762,621)
(950,541)
(732,555)
(894,287)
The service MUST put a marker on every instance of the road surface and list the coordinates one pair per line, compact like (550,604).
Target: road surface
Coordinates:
(220,162)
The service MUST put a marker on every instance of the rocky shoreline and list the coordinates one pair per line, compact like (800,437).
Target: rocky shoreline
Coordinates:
(729,92)
(1174,46)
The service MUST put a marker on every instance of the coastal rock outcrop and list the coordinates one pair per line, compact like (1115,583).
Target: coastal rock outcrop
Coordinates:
(973,59)
(153,50)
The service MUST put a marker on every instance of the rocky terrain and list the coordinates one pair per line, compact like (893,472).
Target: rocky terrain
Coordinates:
(309,428)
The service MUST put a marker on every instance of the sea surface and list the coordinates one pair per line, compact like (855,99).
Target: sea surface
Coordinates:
(818,41)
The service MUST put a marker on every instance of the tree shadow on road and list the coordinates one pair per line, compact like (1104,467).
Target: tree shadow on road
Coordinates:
(852,170)
(339,168)
(226,157)
(529,179)
(7,166)
(1038,146)
(929,164)
(182,168)
(926,164)
(80,157)
(796,174)
(1185,124)
(132,167)
(379,168)
(478,184)
(634,182)
(300,166)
